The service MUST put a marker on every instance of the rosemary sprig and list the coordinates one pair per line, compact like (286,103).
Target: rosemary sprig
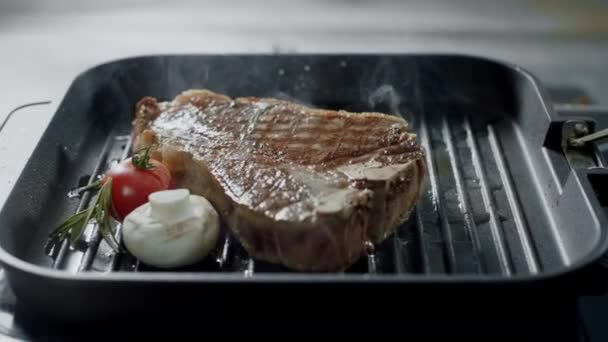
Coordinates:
(75,225)
(101,209)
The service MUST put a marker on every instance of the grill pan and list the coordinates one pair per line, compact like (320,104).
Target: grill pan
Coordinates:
(507,208)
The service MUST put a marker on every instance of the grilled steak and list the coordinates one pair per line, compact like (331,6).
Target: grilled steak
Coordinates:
(298,186)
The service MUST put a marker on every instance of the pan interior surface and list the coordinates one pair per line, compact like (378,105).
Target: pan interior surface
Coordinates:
(490,207)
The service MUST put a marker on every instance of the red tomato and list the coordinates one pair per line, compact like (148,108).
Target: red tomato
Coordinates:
(132,186)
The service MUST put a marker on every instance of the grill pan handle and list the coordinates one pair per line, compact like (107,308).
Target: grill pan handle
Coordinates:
(585,145)
(10,115)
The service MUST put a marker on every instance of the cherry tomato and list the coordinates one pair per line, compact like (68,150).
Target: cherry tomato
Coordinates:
(131,186)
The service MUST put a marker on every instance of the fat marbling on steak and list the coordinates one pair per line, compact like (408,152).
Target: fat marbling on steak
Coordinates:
(298,186)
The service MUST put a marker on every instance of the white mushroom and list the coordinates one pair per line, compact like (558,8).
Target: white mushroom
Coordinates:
(173,229)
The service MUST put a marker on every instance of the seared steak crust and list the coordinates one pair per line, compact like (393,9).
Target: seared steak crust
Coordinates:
(298,186)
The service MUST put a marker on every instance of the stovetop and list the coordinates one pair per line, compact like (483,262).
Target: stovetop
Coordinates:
(47,44)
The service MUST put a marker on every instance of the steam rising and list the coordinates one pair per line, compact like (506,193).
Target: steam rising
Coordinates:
(385,96)
(339,84)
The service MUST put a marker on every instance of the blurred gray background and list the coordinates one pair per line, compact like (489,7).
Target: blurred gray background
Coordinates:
(46,43)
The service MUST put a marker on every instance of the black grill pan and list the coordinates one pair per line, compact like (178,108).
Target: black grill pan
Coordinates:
(506,207)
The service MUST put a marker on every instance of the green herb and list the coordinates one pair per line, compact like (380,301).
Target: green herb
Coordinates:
(141,159)
(75,225)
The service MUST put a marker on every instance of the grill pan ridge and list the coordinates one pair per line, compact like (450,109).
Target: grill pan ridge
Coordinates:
(497,208)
